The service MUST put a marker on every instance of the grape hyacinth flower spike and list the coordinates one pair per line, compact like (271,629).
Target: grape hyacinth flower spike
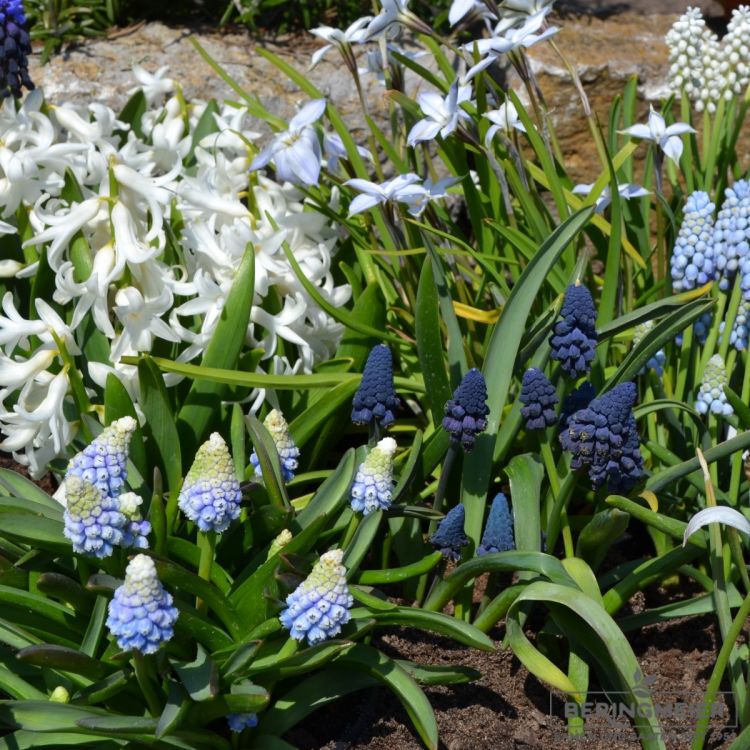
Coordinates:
(711,396)
(466,413)
(732,232)
(658,359)
(574,337)
(693,261)
(577,399)
(16,48)
(141,615)
(539,398)
(450,535)
(319,606)
(498,533)
(375,400)
(285,446)
(604,438)
(93,521)
(211,493)
(136,529)
(104,461)
(373,486)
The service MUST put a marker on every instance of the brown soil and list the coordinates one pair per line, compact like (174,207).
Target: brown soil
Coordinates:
(509,709)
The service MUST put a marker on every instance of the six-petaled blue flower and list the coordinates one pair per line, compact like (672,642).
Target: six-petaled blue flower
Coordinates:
(498,533)
(574,337)
(450,535)
(539,398)
(211,493)
(373,485)
(141,615)
(466,413)
(319,606)
(375,399)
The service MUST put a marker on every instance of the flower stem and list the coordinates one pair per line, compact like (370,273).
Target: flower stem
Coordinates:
(144,674)
(554,482)
(207,545)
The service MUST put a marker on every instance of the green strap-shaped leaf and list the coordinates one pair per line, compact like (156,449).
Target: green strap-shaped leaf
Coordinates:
(525,473)
(268,457)
(199,677)
(500,361)
(24,488)
(599,534)
(200,407)
(333,493)
(65,659)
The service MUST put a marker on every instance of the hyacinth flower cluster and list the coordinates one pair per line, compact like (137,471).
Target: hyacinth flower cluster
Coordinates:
(577,399)
(498,533)
(732,233)
(603,437)
(539,399)
(210,495)
(658,359)
(466,413)
(693,261)
(141,614)
(375,401)
(98,515)
(16,48)
(318,608)
(285,446)
(711,398)
(574,336)
(373,484)
(450,536)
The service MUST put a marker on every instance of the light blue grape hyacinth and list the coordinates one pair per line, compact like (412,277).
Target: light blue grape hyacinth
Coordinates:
(211,493)
(238,722)
(693,262)
(136,529)
(658,359)
(282,438)
(141,615)
(319,606)
(104,461)
(93,521)
(711,397)
(373,485)
(732,231)
(740,333)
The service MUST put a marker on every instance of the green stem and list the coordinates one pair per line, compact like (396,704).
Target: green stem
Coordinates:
(144,672)
(554,482)
(207,545)
(350,529)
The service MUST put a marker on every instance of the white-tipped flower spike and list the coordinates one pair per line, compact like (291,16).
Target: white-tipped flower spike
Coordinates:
(283,538)
(282,438)
(141,615)
(93,521)
(103,462)
(211,493)
(319,606)
(136,529)
(711,397)
(373,486)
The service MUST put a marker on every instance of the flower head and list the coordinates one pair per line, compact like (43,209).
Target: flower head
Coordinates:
(667,138)
(626,191)
(498,533)
(466,413)
(604,437)
(657,360)
(282,438)
(442,114)
(211,493)
(732,232)
(93,521)
(136,529)
(577,399)
(574,338)
(375,399)
(504,118)
(141,615)
(16,47)
(373,486)
(450,535)
(539,398)
(104,461)
(711,396)
(279,542)
(319,606)
(693,260)
(238,722)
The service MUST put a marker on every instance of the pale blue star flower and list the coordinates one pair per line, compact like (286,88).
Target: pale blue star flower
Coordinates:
(443,114)
(296,152)
(667,138)
(504,118)
(401,188)
(626,192)
(354,34)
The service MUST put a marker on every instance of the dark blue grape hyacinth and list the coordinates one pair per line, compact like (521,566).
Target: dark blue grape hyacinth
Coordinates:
(539,398)
(604,438)
(466,413)
(375,399)
(450,535)
(574,338)
(498,533)
(15,49)
(238,722)
(693,261)
(580,398)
